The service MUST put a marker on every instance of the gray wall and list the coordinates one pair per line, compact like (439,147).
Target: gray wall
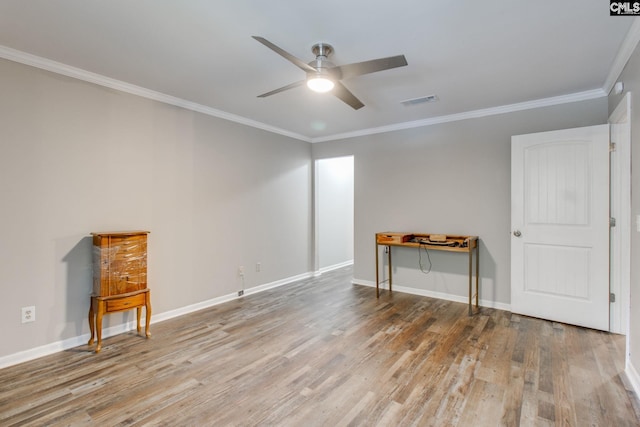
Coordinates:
(631,79)
(334,210)
(451,178)
(77,158)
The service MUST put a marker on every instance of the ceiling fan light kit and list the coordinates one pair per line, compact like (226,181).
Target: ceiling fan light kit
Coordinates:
(323,75)
(320,84)
(321,81)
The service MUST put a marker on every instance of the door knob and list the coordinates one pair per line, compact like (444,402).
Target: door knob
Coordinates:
(517,233)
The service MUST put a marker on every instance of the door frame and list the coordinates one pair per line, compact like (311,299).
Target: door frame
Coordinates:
(620,206)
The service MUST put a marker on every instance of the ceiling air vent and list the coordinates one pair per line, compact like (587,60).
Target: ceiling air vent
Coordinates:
(421,100)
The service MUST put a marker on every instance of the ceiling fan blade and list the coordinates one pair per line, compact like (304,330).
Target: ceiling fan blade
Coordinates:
(299,63)
(346,96)
(283,88)
(372,66)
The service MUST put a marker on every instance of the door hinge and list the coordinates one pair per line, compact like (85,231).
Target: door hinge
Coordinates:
(612,147)
(612,222)
(612,297)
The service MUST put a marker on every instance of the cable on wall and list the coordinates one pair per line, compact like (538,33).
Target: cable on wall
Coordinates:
(422,245)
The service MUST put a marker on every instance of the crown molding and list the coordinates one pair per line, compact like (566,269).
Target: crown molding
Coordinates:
(622,57)
(528,105)
(98,79)
(67,70)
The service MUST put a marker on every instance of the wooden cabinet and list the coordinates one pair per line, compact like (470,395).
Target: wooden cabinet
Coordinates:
(119,279)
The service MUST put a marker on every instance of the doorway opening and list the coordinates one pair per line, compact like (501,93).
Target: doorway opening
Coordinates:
(334,213)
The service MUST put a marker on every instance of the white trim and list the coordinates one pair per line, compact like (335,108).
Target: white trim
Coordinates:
(88,76)
(620,250)
(633,377)
(528,105)
(58,346)
(193,307)
(277,283)
(316,218)
(77,73)
(434,294)
(323,270)
(55,347)
(622,57)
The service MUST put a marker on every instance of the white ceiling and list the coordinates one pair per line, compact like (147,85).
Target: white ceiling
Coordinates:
(473,55)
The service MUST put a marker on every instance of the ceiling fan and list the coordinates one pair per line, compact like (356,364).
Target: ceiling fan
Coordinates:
(324,76)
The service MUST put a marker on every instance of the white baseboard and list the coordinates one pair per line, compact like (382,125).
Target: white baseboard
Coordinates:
(332,267)
(633,377)
(277,283)
(55,347)
(433,294)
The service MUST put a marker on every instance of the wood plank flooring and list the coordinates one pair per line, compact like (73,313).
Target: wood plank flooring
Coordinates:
(324,352)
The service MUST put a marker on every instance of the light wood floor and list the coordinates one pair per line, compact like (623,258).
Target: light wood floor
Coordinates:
(325,352)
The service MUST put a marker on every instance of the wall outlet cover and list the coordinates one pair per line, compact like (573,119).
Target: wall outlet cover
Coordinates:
(28,314)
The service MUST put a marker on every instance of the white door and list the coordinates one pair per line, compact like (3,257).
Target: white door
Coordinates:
(560,226)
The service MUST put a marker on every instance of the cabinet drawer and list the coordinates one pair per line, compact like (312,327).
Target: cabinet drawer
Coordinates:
(392,238)
(129,244)
(126,303)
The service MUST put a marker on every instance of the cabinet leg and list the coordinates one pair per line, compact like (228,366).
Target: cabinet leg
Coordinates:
(100,312)
(138,313)
(92,322)
(147,325)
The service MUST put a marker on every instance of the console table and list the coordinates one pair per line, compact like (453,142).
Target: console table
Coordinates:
(436,242)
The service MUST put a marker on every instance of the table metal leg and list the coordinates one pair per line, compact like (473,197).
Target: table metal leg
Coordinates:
(477,271)
(377,270)
(390,274)
(470,277)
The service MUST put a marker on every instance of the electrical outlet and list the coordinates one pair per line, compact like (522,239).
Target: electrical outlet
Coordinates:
(257,267)
(240,293)
(28,314)
(241,271)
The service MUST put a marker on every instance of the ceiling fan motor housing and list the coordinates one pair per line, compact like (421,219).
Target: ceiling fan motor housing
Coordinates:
(322,49)
(321,63)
